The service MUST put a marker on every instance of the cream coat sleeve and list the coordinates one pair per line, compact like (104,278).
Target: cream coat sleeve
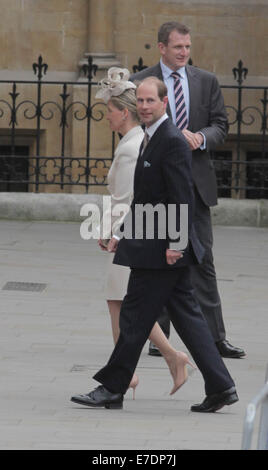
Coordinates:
(120,183)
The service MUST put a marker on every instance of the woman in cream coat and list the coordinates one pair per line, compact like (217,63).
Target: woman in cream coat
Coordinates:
(119,95)
(120,186)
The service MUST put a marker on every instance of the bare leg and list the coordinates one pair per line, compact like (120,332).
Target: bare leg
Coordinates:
(160,340)
(176,360)
(114,309)
(157,336)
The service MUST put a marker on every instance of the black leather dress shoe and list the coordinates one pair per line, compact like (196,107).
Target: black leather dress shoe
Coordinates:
(153,350)
(227,350)
(216,402)
(100,397)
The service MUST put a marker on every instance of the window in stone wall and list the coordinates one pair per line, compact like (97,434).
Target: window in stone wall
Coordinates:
(223,168)
(14,168)
(257,175)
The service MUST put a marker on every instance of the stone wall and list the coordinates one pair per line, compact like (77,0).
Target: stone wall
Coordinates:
(118,32)
(63,30)
(56,29)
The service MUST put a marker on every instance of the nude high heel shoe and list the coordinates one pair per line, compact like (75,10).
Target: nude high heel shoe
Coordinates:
(178,370)
(133,384)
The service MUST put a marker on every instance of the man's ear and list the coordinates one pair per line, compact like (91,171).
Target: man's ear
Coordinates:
(161,47)
(165,100)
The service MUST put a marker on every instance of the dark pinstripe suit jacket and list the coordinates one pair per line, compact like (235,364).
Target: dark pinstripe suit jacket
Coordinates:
(207,114)
(162,175)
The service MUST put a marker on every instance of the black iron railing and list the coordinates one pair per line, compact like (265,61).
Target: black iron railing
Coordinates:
(246,173)
(62,169)
(241,165)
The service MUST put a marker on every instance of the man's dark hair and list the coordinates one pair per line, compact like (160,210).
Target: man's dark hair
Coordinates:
(166,28)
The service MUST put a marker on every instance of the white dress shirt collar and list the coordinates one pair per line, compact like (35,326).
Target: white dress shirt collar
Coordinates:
(166,71)
(152,129)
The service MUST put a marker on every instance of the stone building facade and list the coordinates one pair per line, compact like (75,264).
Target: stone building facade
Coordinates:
(114,32)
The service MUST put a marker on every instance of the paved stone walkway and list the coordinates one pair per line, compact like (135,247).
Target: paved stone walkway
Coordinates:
(54,340)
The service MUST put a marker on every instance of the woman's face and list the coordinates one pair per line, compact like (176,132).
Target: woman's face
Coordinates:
(115,117)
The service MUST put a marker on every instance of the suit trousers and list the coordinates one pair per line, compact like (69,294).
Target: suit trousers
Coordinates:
(148,291)
(203,277)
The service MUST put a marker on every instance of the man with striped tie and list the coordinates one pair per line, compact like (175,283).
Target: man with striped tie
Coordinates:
(159,272)
(196,106)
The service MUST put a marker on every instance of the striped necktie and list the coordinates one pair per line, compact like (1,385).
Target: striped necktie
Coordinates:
(181,114)
(145,141)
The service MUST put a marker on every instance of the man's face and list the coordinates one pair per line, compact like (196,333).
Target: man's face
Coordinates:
(149,106)
(177,52)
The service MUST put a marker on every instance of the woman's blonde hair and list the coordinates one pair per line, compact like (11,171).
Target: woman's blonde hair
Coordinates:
(128,100)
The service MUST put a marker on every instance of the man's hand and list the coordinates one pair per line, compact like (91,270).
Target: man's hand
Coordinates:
(194,139)
(102,245)
(112,245)
(173,256)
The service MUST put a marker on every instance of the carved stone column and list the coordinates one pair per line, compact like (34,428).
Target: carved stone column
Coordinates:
(101,26)
(101,20)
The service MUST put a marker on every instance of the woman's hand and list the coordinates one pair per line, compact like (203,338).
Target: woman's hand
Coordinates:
(102,244)
(112,245)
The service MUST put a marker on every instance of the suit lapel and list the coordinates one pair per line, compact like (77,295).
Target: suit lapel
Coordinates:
(153,142)
(157,72)
(151,145)
(147,155)
(193,93)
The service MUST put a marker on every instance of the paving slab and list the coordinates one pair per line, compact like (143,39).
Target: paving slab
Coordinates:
(53,341)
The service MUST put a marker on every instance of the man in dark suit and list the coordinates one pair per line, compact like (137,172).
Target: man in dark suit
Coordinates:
(160,274)
(205,127)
